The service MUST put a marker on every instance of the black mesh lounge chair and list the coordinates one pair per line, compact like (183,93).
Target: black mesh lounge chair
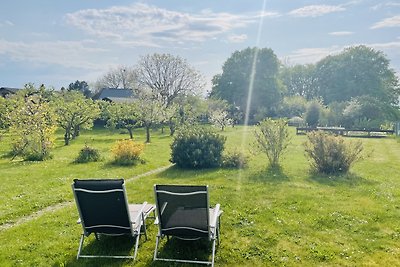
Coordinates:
(184,212)
(103,209)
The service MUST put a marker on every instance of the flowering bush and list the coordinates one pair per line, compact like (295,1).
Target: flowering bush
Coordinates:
(127,152)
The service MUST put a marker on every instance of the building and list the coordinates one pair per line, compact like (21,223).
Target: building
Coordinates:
(5,91)
(115,95)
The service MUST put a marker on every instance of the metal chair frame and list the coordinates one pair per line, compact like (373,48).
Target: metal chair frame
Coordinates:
(213,227)
(137,225)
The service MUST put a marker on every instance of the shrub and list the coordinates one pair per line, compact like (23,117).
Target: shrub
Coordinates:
(127,152)
(197,147)
(329,154)
(235,159)
(88,154)
(272,138)
(313,114)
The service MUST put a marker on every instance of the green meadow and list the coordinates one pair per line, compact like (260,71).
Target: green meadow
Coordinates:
(272,217)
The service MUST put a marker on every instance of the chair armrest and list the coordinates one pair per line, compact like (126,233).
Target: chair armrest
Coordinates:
(138,220)
(216,214)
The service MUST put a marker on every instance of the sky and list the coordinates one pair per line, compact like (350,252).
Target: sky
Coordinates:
(58,42)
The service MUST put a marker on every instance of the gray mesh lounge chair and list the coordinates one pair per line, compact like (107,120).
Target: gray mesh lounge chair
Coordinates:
(104,209)
(184,212)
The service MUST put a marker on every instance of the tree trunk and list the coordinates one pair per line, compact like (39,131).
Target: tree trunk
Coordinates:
(147,134)
(130,133)
(171,128)
(77,130)
(67,137)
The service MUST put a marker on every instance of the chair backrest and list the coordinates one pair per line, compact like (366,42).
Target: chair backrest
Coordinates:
(102,206)
(183,210)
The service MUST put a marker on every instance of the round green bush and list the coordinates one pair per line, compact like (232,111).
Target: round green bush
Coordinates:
(88,154)
(196,147)
(234,159)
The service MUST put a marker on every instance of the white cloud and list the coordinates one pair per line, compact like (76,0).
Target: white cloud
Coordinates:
(311,55)
(392,47)
(388,22)
(341,33)
(382,5)
(315,10)
(153,26)
(237,38)
(71,54)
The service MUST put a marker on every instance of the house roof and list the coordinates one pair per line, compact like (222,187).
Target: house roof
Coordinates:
(8,90)
(115,95)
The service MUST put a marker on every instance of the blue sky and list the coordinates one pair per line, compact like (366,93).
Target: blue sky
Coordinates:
(58,42)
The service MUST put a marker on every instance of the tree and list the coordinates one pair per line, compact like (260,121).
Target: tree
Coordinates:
(368,112)
(80,86)
(32,123)
(75,112)
(357,71)
(313,113)
(299,81)
(122,77)
(149,111)
(218,113)
(168,77)
(220,118)
(122,115)
(187,110)
(292,106)
(237,74)
(5,107)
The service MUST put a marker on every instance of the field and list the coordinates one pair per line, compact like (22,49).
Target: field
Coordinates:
(286,217)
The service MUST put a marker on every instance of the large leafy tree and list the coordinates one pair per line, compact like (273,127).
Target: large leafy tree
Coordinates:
(251,65)
(32,123)
(299,81)
(75,112)
(357,71)
(368,112)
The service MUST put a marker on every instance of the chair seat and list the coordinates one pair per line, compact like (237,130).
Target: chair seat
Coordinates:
(134,209)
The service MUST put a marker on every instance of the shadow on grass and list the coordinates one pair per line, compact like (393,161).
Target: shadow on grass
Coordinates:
(184,250)
(349,179)
(106,245)
(270,174)
(114,165)
(175,172)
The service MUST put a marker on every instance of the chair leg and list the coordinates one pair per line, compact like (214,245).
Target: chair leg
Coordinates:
(144,227)
(156,249)
(80,246)
(219,231)
(213,253)
(136,245)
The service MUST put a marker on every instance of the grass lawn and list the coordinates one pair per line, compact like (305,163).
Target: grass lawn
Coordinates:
(288,217)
